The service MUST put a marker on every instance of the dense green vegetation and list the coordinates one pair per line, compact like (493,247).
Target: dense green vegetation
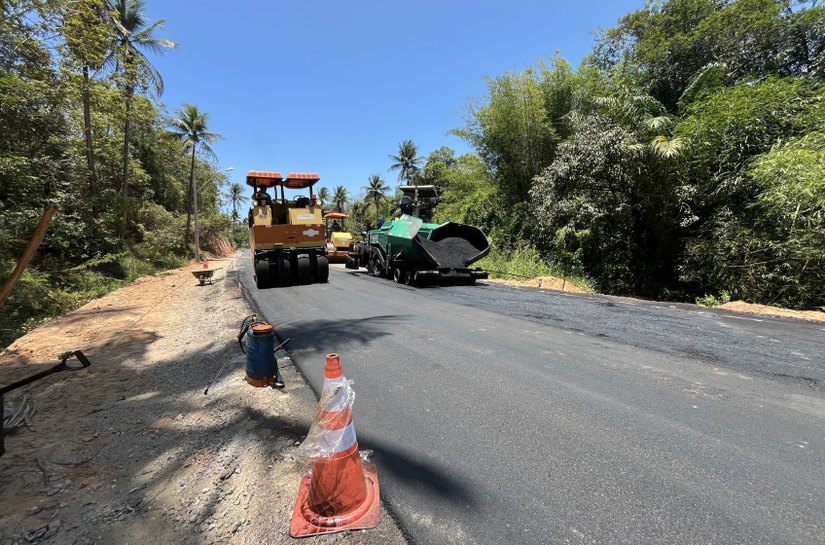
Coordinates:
(684,158)
(81,126)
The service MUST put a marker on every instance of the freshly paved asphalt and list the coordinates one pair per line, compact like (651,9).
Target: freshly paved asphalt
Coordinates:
(500,415)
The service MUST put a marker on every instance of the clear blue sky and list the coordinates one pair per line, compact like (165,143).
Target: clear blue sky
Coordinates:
(333,87)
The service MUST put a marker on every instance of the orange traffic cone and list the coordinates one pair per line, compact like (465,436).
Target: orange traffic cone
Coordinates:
(206,264)
(341,493)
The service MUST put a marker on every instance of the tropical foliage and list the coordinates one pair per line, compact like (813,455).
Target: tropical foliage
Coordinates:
(684,157)
(81,127)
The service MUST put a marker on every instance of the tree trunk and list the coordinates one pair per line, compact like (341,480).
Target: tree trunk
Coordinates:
(188,215)
(87,132)
(194,191)
(125,188)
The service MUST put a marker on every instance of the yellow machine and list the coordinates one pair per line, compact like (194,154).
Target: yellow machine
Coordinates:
(338,240)
(287,237)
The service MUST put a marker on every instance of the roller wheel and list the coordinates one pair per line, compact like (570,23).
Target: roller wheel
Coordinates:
(398,275)
(323,269)
(262,274)
(304,270)
(282,264)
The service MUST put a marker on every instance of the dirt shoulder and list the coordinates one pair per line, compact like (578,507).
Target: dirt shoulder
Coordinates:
(131,450)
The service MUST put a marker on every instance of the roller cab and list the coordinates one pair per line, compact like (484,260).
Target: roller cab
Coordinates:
(287,235)
(338,238)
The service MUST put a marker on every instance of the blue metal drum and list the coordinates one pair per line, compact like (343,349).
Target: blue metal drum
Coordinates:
(261,367)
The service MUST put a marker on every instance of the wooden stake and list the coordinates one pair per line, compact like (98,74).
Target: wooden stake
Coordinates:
(31,248)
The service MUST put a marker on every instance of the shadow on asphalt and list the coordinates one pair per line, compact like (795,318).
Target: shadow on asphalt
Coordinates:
(427,478)
(323,334)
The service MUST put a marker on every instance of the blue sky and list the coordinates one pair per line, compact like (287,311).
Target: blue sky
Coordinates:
(333,87)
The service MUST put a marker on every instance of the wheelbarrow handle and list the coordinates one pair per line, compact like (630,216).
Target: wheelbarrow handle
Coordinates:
(62,366)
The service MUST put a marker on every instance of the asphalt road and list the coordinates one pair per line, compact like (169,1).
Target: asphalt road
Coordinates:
(500,415)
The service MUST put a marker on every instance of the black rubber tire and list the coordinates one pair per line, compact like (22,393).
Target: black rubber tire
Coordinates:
(377,269)
(370,267)
(322,274)
(398,275)
(408,278)
(304,270)
(262,277)
(282,265)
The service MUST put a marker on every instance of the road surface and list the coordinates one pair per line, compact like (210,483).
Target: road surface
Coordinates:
(504,415)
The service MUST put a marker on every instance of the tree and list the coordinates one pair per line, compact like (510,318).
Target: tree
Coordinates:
(88,34)
(323,194)
(236,198)
(407,161)
(376,190)
(191,127)
(340,198)
(133,35)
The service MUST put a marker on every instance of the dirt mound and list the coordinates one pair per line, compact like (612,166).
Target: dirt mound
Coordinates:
(545,282)
(751,308)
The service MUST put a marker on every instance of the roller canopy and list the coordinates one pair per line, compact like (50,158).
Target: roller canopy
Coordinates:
(298,180)
(294,180)
(257,178)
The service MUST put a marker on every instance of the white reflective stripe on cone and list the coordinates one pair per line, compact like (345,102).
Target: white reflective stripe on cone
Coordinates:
(335,441)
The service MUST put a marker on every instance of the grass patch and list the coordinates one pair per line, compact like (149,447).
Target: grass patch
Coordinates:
(524,264)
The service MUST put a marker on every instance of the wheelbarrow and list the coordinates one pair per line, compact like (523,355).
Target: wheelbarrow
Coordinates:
(204,276)
(62,366)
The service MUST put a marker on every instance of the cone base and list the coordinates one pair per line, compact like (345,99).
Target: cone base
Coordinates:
(305,523)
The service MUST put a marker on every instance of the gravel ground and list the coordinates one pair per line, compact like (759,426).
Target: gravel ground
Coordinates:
(132,451)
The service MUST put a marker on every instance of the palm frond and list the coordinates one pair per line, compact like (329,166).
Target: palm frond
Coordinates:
(667,148)
(657,123)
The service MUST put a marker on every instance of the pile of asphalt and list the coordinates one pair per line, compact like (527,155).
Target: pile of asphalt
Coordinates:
(452,252)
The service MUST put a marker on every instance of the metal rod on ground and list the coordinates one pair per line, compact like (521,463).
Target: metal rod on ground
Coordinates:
(206,391)
(31,247)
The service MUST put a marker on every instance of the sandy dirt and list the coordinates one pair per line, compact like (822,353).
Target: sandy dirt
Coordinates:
(750,308)
(130,450)
(545,282)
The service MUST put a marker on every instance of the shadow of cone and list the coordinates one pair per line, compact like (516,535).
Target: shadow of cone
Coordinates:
(341,493)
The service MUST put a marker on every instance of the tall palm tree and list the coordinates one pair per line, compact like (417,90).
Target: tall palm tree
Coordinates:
(133,35)
(340,198)
(407,162)
(236,197)
(191,126)
(376,190)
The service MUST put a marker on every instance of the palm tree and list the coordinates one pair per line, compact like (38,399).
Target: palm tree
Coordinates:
(376,190)
(236,197)
(133,34)
(191,128)
(323,194)
(407,161)
(340,198)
